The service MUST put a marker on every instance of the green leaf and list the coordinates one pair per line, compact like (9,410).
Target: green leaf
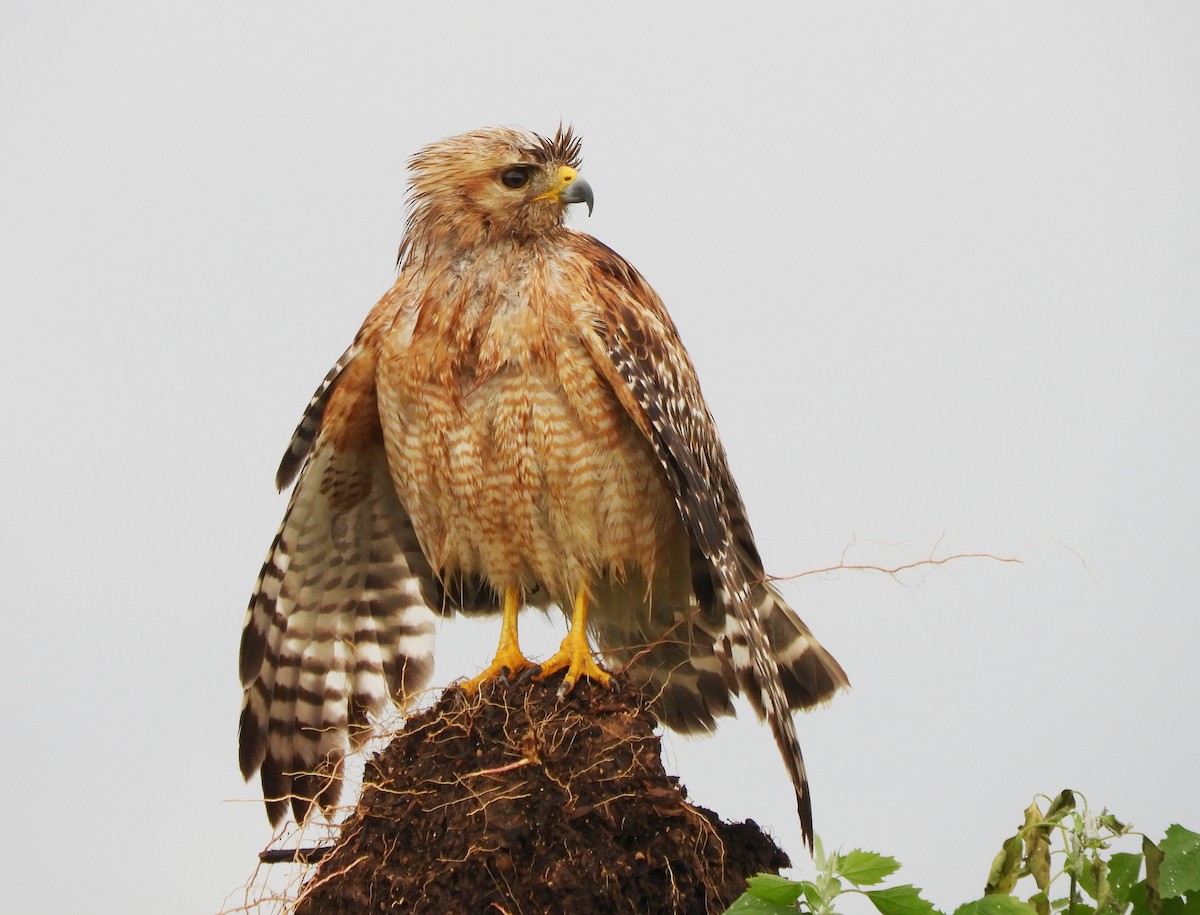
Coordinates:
(865,868)
(1137,895)
(775,889)
(900,900)
(1006,868)
(812,895)
(1040,903)
(996,905)
(1180,871)
(1180,906)
(1175,906)
(1123,870)
(747,904)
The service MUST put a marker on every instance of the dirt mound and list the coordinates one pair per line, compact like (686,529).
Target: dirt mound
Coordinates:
(514,801)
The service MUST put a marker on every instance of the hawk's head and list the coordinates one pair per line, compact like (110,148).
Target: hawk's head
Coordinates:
(499,181)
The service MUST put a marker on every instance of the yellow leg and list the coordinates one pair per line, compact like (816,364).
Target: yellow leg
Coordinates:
(575,655)
(509,660)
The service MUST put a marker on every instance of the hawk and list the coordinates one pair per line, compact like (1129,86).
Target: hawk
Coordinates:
(517,423)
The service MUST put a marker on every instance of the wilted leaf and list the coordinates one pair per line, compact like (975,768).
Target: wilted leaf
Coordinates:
(1037,846)
(1180,871)
(1006,868)
(1154,859)
(1098,877)
(1111,822)
(775,889)
(1040,903)
(900,900)
(1061,804)
(865,868)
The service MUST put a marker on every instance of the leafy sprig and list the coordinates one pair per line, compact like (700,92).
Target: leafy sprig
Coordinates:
(1066,843)
(837,874)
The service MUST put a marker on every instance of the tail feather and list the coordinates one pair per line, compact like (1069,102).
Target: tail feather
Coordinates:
(763,683)
(691,662)
(809,674)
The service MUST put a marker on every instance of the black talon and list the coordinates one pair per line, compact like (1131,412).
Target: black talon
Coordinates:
(529,673)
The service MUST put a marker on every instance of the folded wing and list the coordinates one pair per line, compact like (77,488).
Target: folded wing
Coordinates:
(739,633)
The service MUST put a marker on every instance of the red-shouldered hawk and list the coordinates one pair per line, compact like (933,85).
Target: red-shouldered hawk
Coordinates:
(517,423)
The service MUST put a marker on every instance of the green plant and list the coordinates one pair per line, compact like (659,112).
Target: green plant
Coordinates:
(1159,879)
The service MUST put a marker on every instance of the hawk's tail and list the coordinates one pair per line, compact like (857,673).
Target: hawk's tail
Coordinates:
(689,662)
(808,673)
(781,666)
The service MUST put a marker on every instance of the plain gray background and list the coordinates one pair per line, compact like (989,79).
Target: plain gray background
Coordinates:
(936,264)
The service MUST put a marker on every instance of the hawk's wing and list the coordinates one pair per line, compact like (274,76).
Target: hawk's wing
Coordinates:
(775,659)
(342,617)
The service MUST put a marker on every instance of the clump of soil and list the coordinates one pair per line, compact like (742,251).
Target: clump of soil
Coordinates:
(515,801)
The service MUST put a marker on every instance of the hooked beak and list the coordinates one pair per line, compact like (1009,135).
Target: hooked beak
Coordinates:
(569,188)
(578,191)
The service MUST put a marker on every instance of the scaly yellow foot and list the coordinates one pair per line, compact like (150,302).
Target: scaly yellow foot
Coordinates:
(575,654)
(508,661)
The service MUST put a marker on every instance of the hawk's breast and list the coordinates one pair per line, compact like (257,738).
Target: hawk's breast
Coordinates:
(510,452)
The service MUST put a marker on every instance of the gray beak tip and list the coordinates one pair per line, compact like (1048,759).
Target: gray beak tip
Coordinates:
(579,191)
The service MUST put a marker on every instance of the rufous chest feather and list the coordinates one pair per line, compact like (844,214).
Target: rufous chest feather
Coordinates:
(510,452)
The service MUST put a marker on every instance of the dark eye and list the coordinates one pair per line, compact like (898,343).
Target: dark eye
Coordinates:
(517,176)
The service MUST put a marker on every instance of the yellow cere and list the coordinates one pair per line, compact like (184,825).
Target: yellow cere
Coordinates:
(566,175)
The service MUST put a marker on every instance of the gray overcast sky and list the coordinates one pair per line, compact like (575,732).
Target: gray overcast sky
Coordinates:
(936,264)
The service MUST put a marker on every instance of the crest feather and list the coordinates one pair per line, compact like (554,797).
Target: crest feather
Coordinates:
(564,148)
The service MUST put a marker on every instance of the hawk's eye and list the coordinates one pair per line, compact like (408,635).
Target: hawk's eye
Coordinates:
(517,176)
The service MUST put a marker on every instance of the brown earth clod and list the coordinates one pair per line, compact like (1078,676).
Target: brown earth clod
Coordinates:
(514,800)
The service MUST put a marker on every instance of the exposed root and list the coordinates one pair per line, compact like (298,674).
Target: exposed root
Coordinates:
(893,570)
